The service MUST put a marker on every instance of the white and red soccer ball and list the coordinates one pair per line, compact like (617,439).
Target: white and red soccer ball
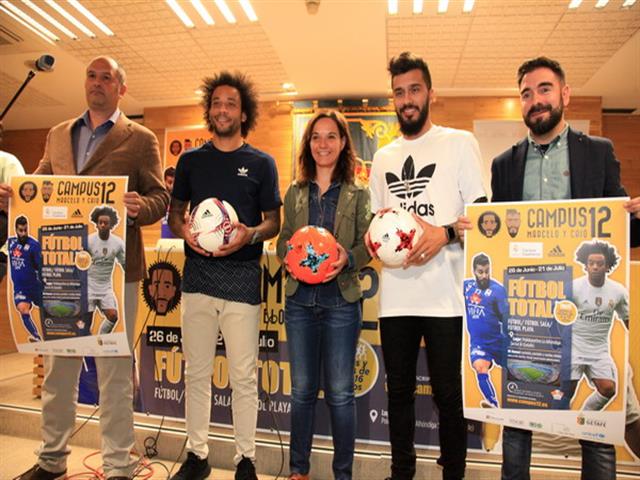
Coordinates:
(392,234)
(212,223)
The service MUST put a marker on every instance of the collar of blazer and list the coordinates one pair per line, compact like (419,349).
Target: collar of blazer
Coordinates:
(578,159)
(347,194)
(120,131)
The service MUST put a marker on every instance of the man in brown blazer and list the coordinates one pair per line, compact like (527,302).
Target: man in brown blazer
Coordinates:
(103,141)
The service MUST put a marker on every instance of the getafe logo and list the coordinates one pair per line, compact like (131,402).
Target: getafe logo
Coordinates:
(411,185)
(243,172)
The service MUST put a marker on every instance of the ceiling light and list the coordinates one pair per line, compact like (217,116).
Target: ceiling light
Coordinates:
(392,7)
(71,18)
(19,20)
(601,3)
(177,9)
(628,3)
(198,91)
(443,5)
(204,13)
(50,19)
(92,18)
(417,7)
(226,11)
(468,5)
(288,86)
(38,26)
(574,4)
(248,10)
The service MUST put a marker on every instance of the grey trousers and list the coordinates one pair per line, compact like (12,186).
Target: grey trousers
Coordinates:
(59,403)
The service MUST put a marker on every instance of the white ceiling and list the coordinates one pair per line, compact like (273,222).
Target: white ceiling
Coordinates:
(340,52)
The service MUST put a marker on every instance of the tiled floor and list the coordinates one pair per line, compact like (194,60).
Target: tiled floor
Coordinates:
(17,456)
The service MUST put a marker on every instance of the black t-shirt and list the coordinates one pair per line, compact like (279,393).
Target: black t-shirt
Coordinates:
(246,178)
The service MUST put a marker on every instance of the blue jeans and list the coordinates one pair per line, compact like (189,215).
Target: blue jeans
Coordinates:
(598,459)
(322,340)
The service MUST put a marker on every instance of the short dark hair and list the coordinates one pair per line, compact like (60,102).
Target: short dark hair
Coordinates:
(345,168)
(21,220)
(170,172)
(480,259)
(102,211)
(602,248)
(248,97)
(47,182)
(406,62)
(540,62)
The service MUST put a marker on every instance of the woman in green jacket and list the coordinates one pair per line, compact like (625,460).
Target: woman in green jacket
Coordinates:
(323,321)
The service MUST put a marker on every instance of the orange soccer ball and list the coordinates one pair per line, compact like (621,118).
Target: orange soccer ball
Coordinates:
(310,253)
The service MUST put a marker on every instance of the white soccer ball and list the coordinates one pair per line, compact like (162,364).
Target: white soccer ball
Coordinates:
(392,233)
(212,222)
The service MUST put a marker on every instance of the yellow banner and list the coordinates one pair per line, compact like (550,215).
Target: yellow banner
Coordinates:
(67,251)
(547,314)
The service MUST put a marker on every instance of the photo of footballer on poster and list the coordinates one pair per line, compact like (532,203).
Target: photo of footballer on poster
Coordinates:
(547,317)
(66,262)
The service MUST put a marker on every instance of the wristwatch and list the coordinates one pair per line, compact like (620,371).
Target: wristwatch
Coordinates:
(451,233)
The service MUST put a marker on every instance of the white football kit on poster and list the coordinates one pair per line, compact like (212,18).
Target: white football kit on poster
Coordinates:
(590,332)
(104,254)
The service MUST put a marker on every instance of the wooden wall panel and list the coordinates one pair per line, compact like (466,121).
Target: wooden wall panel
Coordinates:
(460,112)
(624,132)
(27,145)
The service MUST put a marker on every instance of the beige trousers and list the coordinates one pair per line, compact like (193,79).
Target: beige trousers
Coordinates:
(202,317)
(59,402)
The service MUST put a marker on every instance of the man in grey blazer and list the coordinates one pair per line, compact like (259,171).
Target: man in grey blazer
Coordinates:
(103,141)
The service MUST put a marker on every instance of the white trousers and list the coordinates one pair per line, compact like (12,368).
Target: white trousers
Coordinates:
(60,400)
(202,317)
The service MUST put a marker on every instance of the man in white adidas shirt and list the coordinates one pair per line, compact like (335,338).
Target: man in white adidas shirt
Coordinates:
(597,299)
(431,171)
(105,249)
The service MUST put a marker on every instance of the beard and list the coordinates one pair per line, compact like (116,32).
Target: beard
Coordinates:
(483,284)
(228,131)
(413,127)
(23,240)
(513,231)
(541,126)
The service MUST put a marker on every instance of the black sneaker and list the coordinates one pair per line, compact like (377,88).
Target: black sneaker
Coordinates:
(193,468)
(39,473)
(245,470)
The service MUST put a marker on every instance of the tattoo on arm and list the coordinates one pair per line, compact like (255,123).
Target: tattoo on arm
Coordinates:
(177,211)
(270,225)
